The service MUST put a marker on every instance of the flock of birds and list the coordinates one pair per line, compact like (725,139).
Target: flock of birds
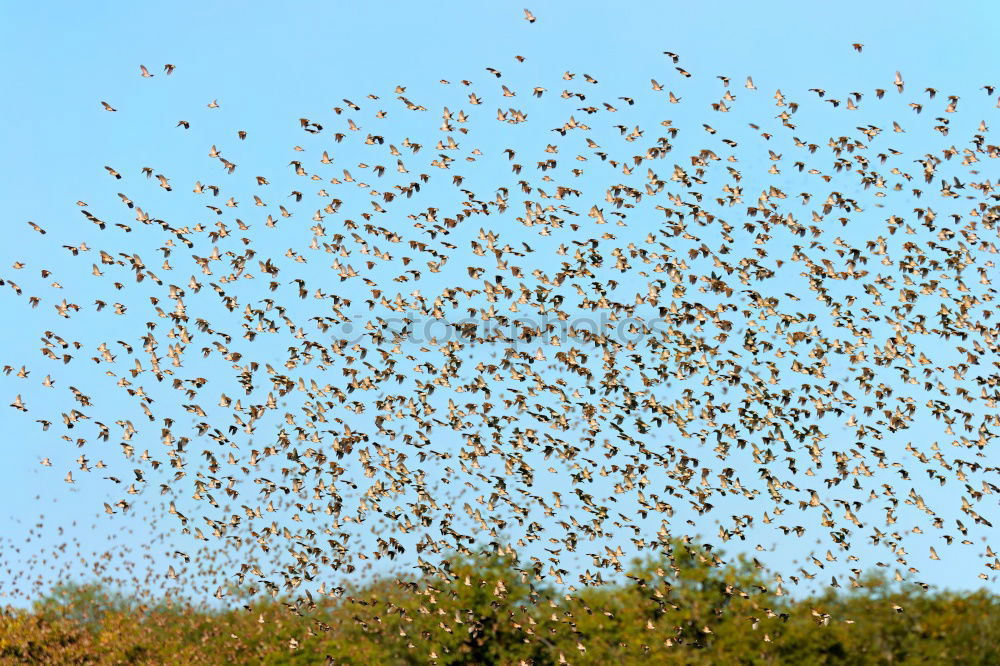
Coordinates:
(572,348)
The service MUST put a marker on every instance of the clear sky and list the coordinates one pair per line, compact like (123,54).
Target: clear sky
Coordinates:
(269,64)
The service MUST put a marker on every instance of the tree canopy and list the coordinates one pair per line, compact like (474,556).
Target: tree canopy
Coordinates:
(689,607)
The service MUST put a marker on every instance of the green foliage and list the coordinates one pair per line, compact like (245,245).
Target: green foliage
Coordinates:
(688,607)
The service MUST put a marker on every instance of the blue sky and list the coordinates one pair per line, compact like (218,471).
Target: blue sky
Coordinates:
(268,66)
